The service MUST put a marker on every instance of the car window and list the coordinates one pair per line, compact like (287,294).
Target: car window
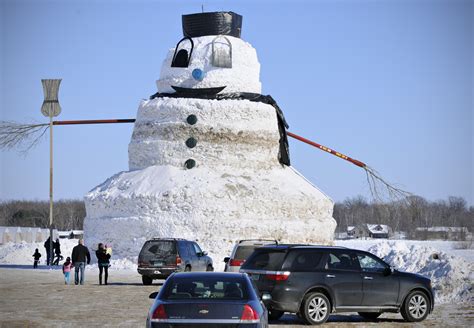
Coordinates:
(158,248)
(206,288)
(303,260)
(197,249)
(341,261)
(191,250)
(269,260)
(370,263)
(243,252)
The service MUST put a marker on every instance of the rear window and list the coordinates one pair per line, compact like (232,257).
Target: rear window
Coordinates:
(158,248)
(206,288)
(265,259)
(243,252)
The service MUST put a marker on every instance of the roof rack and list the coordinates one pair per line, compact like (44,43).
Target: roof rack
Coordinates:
(270,240)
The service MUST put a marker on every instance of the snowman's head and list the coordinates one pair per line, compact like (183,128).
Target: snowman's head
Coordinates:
(211,56)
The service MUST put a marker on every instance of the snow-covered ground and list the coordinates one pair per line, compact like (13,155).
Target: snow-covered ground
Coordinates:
(450,267)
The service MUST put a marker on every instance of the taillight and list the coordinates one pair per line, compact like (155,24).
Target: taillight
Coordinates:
(278,276)
(234,262)
(249,314)
(160,313)
(178,260)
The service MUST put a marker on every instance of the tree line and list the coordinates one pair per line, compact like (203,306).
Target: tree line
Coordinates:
(67,214)
(405,215)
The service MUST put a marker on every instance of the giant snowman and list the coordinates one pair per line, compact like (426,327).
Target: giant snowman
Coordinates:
(208,158)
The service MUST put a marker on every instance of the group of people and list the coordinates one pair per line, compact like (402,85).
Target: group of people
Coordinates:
(55,246)
(79,258)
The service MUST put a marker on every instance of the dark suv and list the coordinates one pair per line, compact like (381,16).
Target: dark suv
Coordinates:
(314,281)
(160,257)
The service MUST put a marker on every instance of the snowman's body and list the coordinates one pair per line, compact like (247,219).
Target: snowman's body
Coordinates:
(235,188)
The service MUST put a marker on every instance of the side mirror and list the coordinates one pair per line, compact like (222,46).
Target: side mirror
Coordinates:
(204,253)
(266,298)
(153,295)
(226,259)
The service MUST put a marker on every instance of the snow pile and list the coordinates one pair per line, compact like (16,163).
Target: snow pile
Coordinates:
(452,277)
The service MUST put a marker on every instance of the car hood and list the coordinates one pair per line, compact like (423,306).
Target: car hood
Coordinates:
(414,276)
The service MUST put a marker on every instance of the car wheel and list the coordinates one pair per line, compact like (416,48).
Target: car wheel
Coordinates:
(416,307)
(147,280)
(187,268)
(316,308)
(209,268)
(370,315)
(274,314)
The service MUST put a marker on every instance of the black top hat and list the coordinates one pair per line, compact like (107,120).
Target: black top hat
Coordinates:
(214,23)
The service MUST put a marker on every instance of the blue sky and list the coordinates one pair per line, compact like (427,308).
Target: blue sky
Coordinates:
(387,82)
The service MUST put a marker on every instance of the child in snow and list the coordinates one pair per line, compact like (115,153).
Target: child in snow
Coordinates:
(36,256)
(67,269)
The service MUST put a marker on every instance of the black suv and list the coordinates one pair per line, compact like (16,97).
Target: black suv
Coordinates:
(314,281)
(160,257)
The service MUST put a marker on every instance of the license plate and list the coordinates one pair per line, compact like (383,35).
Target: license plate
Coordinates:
(158,263)
(157,272)
(255,276)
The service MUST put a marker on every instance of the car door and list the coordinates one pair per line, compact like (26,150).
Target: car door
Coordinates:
(342,275)
(379,285)
(201,261)
(193,258)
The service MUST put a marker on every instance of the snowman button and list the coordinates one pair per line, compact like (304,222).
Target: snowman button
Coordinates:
(191,142)
(192,119)
(190,163)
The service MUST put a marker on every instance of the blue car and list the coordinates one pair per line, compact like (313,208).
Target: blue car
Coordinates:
(207,299)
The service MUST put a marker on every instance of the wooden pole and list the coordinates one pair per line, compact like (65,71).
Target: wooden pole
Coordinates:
(51,190)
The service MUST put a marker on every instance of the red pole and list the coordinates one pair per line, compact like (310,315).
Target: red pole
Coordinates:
(328,150)
(295,136)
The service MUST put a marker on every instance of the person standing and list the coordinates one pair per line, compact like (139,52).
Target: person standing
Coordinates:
(48,253)
(67,270)
(36,256)
(57,252)
(103,260)
(80,256)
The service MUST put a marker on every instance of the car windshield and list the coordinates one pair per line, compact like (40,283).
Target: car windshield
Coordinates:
(205,288)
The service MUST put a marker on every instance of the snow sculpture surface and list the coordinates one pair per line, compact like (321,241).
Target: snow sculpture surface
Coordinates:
(207,169)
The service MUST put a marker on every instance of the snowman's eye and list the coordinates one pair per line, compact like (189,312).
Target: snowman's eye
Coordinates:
(181,55)
(221,52)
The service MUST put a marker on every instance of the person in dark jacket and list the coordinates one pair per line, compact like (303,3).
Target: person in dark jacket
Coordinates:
(57,252)
(48,250)
(36,256)
(80,256)
(103,260)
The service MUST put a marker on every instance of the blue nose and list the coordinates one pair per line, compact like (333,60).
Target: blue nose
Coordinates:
(198,74)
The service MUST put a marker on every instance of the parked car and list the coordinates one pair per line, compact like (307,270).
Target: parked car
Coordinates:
(314,281)
(242,251)
(160,257)
(207,299)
